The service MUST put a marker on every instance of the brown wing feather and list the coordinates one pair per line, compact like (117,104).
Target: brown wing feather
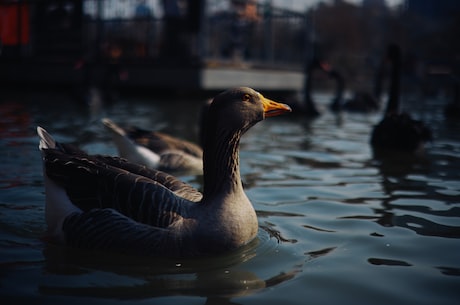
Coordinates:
(177,186)
(96,182)
(108,230)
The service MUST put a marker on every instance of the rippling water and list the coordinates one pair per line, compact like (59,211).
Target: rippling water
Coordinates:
(336,225)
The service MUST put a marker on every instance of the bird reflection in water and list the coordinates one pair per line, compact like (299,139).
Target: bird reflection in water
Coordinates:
(219,279)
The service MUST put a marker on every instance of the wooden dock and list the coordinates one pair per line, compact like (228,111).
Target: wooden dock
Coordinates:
(262,79)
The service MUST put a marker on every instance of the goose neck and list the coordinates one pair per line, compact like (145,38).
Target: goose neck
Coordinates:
(393,99)
(221,165)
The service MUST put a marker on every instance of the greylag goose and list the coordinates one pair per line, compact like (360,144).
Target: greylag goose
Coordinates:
(156,149)
(337,101)
(398,130)
(109,204)
(361,102)
(452,109)
(306,106)
(309,108)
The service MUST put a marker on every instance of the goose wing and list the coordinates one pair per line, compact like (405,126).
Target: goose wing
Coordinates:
(109,230)
(141,194)
(170,182)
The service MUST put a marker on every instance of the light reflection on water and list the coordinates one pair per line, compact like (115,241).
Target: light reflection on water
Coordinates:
(336,224)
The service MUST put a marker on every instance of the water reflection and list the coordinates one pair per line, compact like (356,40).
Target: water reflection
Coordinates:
(388,262)
(223,285)
(327,208)
(15,121)
(398,171)
(450,271)
(123,277)
(322,252)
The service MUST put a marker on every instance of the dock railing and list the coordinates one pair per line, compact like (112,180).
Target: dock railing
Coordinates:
(230,33)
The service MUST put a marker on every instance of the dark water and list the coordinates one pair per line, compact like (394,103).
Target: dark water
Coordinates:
(336,225)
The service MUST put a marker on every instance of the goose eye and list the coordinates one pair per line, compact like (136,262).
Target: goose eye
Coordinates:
(246,97)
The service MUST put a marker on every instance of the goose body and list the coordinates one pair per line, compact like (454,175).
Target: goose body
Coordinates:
(107,203)
(361,102)
(398,130)
(337,101)
(305,105)
(155,149)
(452,109)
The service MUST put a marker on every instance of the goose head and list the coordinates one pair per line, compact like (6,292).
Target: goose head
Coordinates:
(240,108)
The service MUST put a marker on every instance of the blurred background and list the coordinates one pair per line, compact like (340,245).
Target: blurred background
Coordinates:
(339,224)
(136,43)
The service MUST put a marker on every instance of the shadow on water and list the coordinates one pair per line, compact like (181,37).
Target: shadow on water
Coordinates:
(100,275)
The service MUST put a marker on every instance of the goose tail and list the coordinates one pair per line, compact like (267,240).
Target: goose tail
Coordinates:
(124,144)
(128,149)
(46,140)
(114,128)
(58,205)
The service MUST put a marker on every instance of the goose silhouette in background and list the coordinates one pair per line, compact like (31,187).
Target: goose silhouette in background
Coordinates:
(367,101)
(337,101)
(109,204)
(452,108)
(361,101)
(398,130)
(155,149)
(306,106)
(309,108)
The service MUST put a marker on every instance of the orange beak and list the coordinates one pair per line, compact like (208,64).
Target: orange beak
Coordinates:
(272,108)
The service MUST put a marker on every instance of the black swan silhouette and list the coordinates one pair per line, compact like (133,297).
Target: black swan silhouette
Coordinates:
(398,130)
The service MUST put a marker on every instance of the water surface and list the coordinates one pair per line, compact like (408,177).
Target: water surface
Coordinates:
(336,224)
